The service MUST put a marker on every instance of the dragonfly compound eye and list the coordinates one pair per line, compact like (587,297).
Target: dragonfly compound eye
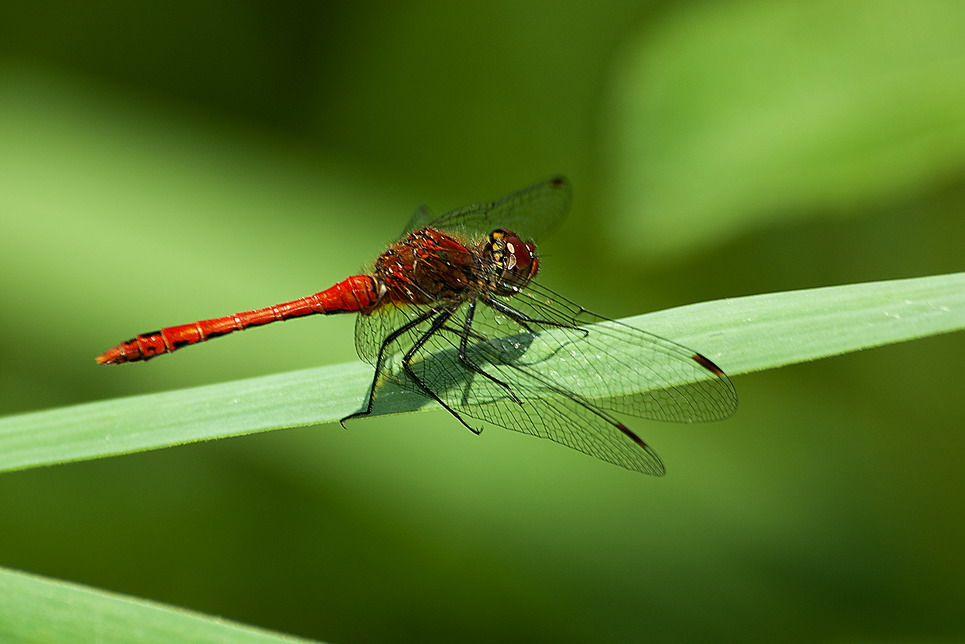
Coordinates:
(514,261)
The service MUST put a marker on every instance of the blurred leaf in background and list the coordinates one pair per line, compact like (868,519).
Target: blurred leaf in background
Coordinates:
(731,116)
(163,163)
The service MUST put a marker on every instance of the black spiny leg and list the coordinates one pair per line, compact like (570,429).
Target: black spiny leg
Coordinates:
(437,324)
(389,339)
(524,319)
(464,360)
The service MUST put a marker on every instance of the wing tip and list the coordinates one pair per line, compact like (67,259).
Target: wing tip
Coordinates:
(652,466)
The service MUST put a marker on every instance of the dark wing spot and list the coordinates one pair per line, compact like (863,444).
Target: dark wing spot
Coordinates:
(636,439)
(707,364)
(651,465)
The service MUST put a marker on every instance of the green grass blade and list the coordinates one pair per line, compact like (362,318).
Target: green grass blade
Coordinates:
(139,423)
(760,332)
(741,334)
(38,609)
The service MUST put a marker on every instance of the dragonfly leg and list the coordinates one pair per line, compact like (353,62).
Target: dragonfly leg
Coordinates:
(437,324)
(462,353)
(524,319)
(379,361)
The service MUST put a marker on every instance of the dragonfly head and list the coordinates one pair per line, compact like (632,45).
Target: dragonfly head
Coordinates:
(514,261)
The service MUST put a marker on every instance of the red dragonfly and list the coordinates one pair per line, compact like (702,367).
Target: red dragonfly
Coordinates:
(451,311)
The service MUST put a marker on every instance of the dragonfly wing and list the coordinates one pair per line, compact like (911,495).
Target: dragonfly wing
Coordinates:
(528,364)
(494,381)
(531,212)
(373,331)
(630,371)
(419,219)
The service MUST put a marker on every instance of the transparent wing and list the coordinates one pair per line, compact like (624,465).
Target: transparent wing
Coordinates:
(530,364)
(419,219)
(624,369)
(372,332)
(530,213)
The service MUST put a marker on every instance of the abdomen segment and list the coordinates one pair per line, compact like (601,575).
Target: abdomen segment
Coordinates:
(357,294)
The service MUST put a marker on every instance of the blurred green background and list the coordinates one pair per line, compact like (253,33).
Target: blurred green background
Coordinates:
(163,163)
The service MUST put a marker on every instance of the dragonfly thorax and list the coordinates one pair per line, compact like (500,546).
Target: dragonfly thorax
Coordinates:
(427,267)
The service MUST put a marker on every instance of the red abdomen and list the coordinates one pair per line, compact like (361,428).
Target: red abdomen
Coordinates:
(357,294)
